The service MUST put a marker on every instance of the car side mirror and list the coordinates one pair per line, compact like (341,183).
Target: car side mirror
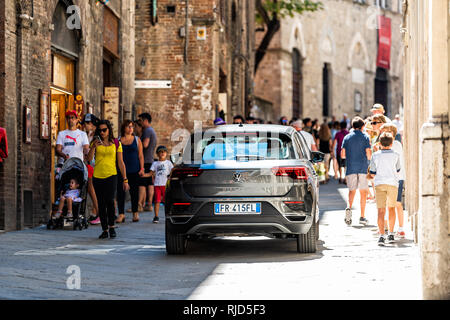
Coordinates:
(317,156)
(176,158)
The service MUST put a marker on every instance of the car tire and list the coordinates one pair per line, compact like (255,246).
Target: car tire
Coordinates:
(306,243)
(175,243)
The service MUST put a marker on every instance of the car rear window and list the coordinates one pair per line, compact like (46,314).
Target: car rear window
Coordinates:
(241,147)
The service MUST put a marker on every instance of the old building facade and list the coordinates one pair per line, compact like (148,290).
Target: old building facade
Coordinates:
(54,56)
(426,37)
(202,51)
(324,63)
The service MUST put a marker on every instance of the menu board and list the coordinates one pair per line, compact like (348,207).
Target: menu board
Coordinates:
(111,108)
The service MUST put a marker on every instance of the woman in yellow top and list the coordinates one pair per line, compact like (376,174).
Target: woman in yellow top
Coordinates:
(108,156)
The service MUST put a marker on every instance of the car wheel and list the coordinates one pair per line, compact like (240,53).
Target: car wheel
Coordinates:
(175,243)
(306,243)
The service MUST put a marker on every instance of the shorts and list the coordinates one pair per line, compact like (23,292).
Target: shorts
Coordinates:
(145,182)
(400,190)
(357,181)
(90,171)
(340,161)
(160,194)
(386,195)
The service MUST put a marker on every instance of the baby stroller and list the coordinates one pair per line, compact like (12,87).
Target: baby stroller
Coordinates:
(73,168)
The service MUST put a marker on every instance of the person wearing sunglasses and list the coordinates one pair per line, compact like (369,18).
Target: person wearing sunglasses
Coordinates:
(71,142)
(108,156)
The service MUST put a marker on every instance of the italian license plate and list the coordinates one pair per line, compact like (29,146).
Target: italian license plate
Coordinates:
(237,208)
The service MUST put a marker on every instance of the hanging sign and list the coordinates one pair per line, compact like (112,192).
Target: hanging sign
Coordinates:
(44,115)
(384,42)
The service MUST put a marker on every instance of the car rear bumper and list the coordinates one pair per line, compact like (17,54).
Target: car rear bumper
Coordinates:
(269,222)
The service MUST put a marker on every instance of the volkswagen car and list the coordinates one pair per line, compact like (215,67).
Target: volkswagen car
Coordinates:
(243,180)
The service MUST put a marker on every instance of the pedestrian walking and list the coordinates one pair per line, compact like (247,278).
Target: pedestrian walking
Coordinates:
(337,145)
(71,142)
(398,148)
(311,143)
(3,145)
(89,124)
(384,166)
(133,158)
(357,152)
(149,139)
(160,171)
(325,146)
(399,125)
(378,109)
(307,125)
(108,156)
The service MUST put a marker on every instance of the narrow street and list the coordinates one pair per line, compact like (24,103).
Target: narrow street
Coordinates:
(347,265)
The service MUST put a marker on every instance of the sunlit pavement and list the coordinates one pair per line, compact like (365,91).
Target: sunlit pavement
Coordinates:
(347,265)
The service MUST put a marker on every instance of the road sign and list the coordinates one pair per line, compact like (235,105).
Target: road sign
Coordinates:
(153,84)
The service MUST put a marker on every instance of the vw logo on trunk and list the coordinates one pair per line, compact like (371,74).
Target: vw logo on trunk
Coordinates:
(237,177)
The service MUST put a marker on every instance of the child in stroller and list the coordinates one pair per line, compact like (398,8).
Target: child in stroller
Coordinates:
(71,183)
(72,195)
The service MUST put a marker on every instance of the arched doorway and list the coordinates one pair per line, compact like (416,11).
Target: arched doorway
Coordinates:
(297,106)
(65,50)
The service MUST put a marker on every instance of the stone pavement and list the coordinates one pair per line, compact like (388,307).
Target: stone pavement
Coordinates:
(348,265)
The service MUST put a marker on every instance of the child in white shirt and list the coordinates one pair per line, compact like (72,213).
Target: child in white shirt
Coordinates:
(72,195)
(385,166)
(160,170)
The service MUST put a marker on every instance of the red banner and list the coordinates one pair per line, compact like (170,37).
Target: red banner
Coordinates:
(384,42)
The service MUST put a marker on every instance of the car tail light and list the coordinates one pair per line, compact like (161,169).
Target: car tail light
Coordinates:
(180,174)
(297,173)
(295,205)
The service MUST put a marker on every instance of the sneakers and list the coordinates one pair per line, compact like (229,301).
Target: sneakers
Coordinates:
(57,215)
(155,219)
(391,238)
(381,241)
(92,218)
(348,216)
(95,221)
(363,221)
(401,234)
(69,215)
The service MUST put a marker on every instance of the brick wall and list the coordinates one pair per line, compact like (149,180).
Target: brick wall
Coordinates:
(161,55)
(27,64)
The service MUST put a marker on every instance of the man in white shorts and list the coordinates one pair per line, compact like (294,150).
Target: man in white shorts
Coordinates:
(357,152)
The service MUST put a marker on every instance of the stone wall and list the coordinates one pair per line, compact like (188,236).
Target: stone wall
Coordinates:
(343,35)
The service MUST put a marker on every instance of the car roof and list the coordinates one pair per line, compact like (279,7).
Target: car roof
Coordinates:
(252,128)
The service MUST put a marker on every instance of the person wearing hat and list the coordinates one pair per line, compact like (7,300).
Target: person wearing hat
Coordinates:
(71,142)
(160,170)
(90,123)
(379,109)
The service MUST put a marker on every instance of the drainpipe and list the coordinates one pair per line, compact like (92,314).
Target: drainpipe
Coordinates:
(186,42)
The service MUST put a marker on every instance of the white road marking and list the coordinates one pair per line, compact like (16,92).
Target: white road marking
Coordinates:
(71,249)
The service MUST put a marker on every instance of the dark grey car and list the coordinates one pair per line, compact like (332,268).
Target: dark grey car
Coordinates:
(244,180)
